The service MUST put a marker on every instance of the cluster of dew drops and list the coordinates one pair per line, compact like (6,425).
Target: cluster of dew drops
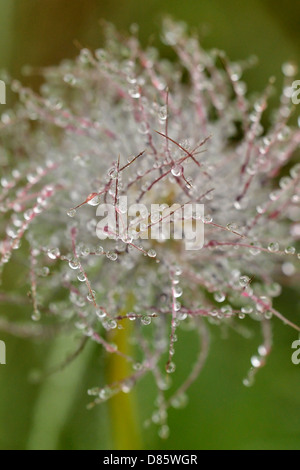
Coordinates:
(119,122)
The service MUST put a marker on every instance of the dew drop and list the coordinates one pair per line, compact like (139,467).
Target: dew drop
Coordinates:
(273,247)
(95,200)
(244,281)
(85,56)
(248,382)
(112,255)
(177,291)
(81,277)
(99,250)
(91,296)
(74,264)
(131,316)
(177,170)
(295,171)
(179,401)
(164,432)
(36,316)
(146,320)
(290,250)
(85,251)
(232,226)
(288,269)
(105,393)
(268,315)
(255,249)
(71,213)
(134,92)
(285,182)
(207,219)
(262,350)
(289,69)
(151,253)
(247,309)
(112,324)
(100,54)
(100,312)
(219,297)
(170,367)
(256,361)
(127,386)
(163,113)
(54,253)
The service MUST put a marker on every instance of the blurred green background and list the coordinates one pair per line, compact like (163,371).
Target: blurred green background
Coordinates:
(222,413)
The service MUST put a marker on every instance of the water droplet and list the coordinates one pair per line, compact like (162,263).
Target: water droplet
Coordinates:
(112,255)
(36,316)
(274,289)
(112,324)
(151,253)
(143,128)
(112,173)
(100,312)
(74,263)
(134,92)
(85,250)
(99,250)
(288,269)
(285,182)
(268,315)
(105,393)
(85,56)
(44,271)
(219,297)
(163,113)
(237,205)
(146,320)
(232,226)
(91,296)
(177,170)
(70,79)
(170,367)
(255,250)
(256,361)
(207,219)
(95,200)
(244,281)
(81,277)
(295,171)
(290,250)
(164,432)
(177,291)
(53,253)
(179,401)
(93,391)
(248,381)
(71,213)
(100,54)
(289,69)
(127,385)
(273,247)
(247,309)
(262,350)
